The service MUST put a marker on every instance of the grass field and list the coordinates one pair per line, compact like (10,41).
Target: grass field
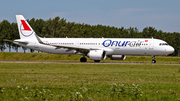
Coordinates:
(89,82)
(8,56)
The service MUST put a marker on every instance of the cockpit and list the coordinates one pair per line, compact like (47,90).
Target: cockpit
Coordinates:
(163,44)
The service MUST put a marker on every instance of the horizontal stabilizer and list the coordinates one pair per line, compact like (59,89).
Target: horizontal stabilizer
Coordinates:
(19,41)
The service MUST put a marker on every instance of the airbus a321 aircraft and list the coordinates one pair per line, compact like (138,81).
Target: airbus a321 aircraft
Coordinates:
(95,48)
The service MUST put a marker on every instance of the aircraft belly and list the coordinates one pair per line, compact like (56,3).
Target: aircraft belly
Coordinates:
(129,51)
(135,51)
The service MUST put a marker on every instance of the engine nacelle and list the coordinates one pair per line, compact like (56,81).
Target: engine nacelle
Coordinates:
(97,54)
(117,57)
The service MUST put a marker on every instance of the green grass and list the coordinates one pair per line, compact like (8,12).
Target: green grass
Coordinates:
(6,56)
(87,82)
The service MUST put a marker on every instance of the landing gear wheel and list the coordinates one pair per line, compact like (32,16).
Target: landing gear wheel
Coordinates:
(153,61)
(96,60)
(83,59)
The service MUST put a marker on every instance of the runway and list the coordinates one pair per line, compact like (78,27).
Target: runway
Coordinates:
(66,62)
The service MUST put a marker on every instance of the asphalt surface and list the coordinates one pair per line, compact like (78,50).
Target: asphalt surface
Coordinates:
(62,62)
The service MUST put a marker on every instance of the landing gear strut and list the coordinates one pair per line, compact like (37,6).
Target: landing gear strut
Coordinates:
(153,59)
(83,59)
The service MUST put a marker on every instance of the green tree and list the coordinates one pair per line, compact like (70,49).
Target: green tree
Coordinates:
(5,29)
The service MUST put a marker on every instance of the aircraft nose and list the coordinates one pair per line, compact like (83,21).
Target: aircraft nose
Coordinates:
(170,50)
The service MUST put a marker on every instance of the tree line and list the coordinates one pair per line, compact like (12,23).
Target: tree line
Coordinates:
(60,28)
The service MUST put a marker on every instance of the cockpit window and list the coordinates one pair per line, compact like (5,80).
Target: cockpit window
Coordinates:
(163,44)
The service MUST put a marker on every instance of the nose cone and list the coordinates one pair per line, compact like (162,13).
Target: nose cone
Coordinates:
(170,50)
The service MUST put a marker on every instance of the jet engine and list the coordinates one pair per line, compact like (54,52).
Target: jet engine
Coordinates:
(117,57)
(97,54)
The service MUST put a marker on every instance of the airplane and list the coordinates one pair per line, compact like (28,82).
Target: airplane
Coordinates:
(96,49)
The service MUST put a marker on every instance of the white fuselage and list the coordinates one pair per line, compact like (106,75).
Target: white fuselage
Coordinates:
(112,46)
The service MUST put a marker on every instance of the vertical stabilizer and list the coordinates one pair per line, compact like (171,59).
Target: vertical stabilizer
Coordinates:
(25,30)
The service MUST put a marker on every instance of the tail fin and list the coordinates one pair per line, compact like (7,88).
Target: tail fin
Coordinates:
(25,30)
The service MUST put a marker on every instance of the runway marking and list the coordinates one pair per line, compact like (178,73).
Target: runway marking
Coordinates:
(62,62)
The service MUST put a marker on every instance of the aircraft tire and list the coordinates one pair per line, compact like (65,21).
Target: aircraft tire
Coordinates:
(83,59)
(96,60)
(153,61)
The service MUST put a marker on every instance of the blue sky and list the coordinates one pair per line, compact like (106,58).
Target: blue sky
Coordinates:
(162,14)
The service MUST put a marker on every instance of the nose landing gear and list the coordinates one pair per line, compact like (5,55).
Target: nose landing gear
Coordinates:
(153,59)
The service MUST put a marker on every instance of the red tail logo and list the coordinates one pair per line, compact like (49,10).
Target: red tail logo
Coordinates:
(26,27)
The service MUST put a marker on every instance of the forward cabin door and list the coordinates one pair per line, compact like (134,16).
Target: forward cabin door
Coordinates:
(151,44)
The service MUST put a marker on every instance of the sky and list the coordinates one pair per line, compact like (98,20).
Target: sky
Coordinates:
(162,14)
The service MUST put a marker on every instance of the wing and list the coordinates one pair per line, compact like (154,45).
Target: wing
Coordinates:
(80,49)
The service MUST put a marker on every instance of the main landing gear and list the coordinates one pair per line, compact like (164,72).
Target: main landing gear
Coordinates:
(96,60)
(83,59)
(153,59)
